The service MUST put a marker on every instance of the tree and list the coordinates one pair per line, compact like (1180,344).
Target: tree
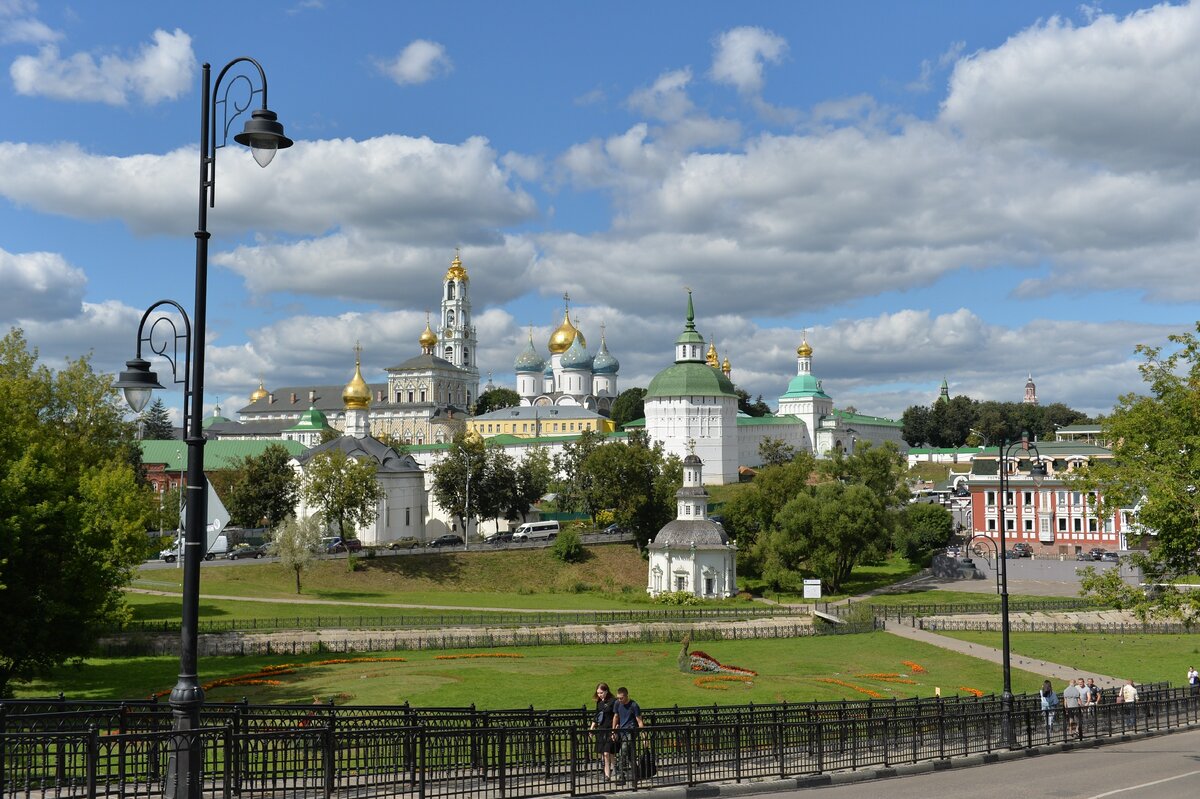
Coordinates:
(751,513)
(265,491)
(72,513)
(296,543)
(572,484)
(568,548)
(532,481)
(1156,458)
(394,441)
(756,408)
(922,529)
(629,406)
(465,463)
(155,423)
(496,399)
(329,434)
(636,480)
(827,530)
(915,431)
(344,489)
(775,451)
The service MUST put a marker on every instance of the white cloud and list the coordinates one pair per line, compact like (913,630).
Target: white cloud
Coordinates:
(38,286)
(421,61)
(740,54)
(161,70)
(106,330)
(666,98)
(18,25)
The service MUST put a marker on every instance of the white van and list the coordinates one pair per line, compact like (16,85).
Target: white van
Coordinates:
(220,548)
(537,531)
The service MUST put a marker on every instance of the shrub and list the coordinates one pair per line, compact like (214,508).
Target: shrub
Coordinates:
(568,547)
(677,598)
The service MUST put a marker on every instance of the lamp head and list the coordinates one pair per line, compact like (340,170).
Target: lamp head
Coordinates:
(263,134)
(137,382)
(1038,472)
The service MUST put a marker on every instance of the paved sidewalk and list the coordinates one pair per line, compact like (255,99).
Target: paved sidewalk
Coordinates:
(1056,672)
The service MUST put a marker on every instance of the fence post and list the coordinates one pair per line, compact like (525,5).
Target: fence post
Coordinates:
(502,758)
(549,748)
(941,730)
(777,726)
(93,755)
(328,758)
(574,751)
(687,742)
(820,730)
(887,749)
(231,764)
(421,746)
(738,726)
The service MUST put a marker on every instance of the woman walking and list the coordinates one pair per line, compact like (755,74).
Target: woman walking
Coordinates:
(1049,704)
(602,723)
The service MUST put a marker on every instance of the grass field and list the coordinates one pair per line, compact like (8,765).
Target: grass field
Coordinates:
(1144,658)
(164,608)
(560,676)
(863,579)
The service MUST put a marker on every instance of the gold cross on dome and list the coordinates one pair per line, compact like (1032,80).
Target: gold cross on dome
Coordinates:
(357,350)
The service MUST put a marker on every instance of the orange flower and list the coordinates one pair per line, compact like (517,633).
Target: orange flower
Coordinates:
(714,682)
(477,655)
(972,691)
(888,678)
(916,668)
(851,686)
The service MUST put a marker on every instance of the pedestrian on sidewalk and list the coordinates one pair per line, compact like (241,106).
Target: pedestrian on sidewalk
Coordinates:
(1071,699)
(1193,680)
(602,725)
(627,722)
(1128,698)
(1049,705)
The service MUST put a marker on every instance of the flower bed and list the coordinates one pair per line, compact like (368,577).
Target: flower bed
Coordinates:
(478,655)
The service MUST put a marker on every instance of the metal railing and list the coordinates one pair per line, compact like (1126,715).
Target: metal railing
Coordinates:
(545,755)
(916,610)
(1031,626)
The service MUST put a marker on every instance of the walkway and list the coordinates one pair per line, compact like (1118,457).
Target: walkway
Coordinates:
(1057,672)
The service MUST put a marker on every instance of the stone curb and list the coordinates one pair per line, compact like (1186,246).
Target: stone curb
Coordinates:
(732,789)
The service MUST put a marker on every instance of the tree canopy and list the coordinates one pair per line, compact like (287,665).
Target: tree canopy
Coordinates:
(265,489)
(1153,472)
(155,423)
(629,406)
(343,488)
(962,421)
(73,514)
(496,399)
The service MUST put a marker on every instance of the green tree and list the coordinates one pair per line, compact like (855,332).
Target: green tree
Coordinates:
(265,491)
(751,513)
(1153,472)
(568,547)
(532,481)
(636,480)
(629,406)
(72,514)
(465,464)
(572,484)
(155,423)
(343,488)
(922,529)
(775,451)
(296,542)
(915,421)
(827,531)
(496,399)
(756,408)
(329,434)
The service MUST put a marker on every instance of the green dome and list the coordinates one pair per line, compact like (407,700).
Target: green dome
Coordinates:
(529,360)
(690,379)
(805,386)
(312,419)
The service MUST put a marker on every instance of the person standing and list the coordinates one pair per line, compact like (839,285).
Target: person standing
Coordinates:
(1071,700)
(627,720)
(1128,697)
(1049,703)
(602,726)
(1193,680)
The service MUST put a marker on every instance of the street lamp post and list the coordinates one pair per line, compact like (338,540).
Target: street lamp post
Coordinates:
(1037,470)
(263,134)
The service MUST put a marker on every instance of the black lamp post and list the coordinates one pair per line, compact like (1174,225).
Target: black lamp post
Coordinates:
(1037,471)
(263,134)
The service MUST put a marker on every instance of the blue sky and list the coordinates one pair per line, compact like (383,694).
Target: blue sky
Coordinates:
(971,190)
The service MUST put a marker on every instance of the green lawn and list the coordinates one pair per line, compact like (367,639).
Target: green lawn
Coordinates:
(863,579)
(560,676)
(1144,658)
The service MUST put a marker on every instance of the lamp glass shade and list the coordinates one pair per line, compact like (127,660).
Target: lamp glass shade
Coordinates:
(137,397)
(263,134)
(1038,472)
(263,153)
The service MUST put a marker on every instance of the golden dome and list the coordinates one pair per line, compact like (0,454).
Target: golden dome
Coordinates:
(725,367)
(456,270)
(804,351)
(428,339)
(561,339)
(259,393)
(711,358)
(357,394)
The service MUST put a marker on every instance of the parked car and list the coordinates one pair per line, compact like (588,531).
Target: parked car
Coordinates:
(219,547)
(1096,553)
(1022,550)
(1111,557)
(248,552)
(537,531)
(500,539)
(448,540)
(339,544)
(407,542)
(1081,555)
(612,529)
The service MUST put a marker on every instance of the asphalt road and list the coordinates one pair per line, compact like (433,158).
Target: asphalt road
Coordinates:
(1163,767)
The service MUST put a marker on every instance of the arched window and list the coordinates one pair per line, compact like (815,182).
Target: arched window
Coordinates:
(466,356)
(450,290)
(449,354)
(449,318)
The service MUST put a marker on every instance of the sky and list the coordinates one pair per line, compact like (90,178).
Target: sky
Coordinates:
(974,190)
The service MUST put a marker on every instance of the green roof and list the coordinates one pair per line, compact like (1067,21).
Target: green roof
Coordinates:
(804,386)
(943,450)
(312,419)
(690,379)
(218,454)
(859,418)
(759,421)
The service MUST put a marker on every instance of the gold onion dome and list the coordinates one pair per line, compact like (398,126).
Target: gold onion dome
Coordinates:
(456,270)
(804,351)
(725,367)
(259,393)
(711,357)
(357,394)
(428,338)
(560,339)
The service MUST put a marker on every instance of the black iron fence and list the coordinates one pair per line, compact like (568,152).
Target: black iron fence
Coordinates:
(414,621)
(916,610)
(450,754)
(1031,626)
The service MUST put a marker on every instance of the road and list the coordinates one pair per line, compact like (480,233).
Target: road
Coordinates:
(1164,767)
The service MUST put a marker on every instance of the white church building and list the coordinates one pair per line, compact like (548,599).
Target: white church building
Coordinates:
(692,552)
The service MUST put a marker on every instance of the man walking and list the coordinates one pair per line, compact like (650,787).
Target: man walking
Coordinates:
(1071,699)
(627,720)
(1128,697)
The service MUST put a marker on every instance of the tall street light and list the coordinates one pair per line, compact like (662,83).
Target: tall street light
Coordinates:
(1037,471)
(263,134)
